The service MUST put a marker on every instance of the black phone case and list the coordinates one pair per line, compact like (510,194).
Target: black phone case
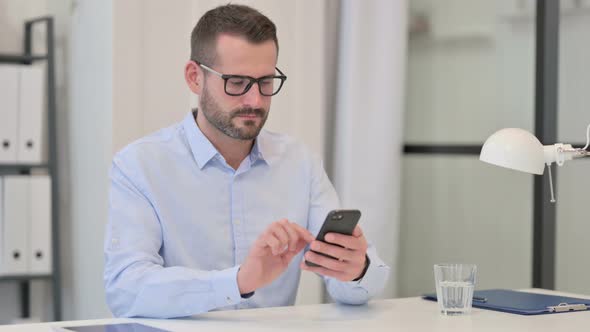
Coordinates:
(337,221)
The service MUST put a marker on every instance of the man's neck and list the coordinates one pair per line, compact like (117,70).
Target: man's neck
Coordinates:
(234,151)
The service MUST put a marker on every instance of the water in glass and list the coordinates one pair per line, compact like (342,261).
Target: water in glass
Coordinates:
(456,297)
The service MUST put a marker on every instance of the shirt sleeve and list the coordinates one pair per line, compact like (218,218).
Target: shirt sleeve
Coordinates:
(136,282)
(323,199)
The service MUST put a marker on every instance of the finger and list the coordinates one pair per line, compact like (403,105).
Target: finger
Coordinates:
(290,254)
(292,233)
(277,230)
(305,234)
(357,232)
(329,263)
(300,246)
(324,272)
(347,241)
(332,250)
(273,242)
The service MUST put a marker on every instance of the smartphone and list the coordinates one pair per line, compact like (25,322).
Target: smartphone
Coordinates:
(337,221)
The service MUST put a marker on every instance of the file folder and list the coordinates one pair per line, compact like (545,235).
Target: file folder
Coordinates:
(524,303)
(40,225)
(9,83)
(15,222)
(32,117)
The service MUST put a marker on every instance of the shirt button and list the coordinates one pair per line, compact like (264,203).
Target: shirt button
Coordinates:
(237,222)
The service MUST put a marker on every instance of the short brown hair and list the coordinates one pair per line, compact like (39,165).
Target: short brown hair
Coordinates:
(233,19)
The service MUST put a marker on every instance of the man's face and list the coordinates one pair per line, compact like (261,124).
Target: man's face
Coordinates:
(240,117)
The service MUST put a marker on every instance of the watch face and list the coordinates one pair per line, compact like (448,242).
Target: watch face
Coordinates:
(127,327)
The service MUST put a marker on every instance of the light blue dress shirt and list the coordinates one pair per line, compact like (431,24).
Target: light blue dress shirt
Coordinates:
(181,221)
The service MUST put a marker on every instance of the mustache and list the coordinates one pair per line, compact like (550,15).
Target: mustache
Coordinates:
(260,112)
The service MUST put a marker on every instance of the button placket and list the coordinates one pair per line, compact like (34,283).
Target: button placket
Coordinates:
(237,218)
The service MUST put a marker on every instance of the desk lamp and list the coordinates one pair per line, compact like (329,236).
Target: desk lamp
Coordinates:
(518,149)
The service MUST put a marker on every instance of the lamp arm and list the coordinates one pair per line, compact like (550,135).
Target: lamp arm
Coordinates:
(587,138)
(577,153)
(560,153)
(581,152)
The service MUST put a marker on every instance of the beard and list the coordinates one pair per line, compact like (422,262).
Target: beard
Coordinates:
(223,121)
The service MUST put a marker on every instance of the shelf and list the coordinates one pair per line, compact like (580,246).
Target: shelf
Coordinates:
(25,277)
(21,166)
(22,59)
(21,169)
(28,57)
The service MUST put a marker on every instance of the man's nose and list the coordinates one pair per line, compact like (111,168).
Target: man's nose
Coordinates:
(253,97)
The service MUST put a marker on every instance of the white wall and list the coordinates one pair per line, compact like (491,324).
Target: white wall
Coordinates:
(13,13)
(150,47)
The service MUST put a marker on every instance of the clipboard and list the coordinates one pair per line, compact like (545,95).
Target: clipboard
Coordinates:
(523,303)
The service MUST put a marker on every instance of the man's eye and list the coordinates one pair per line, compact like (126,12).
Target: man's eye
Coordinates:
(237,82)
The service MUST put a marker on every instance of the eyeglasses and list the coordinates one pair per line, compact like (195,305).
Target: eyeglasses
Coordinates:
(237,85)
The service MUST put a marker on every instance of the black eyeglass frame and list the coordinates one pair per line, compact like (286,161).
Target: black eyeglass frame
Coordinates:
(251,80)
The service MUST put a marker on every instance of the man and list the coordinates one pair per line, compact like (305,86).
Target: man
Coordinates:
(214,213)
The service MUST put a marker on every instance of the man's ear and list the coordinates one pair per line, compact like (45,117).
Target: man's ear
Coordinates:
(193,75)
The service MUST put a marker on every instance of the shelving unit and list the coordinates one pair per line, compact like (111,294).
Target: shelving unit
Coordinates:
(28,58)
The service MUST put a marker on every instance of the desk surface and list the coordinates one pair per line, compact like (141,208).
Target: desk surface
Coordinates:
(406,314)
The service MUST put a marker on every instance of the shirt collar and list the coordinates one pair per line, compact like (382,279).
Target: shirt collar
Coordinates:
(201,147)
(203,151)
(265,148)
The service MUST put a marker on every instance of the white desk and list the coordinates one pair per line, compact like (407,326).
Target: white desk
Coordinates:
(409,314)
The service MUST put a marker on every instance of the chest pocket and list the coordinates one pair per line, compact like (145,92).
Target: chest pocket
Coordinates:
(287,200)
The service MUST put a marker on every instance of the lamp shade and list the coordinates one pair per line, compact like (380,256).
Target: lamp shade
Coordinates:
(516,149)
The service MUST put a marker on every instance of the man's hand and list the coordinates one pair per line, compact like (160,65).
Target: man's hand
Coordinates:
(271,254)
(350,260)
